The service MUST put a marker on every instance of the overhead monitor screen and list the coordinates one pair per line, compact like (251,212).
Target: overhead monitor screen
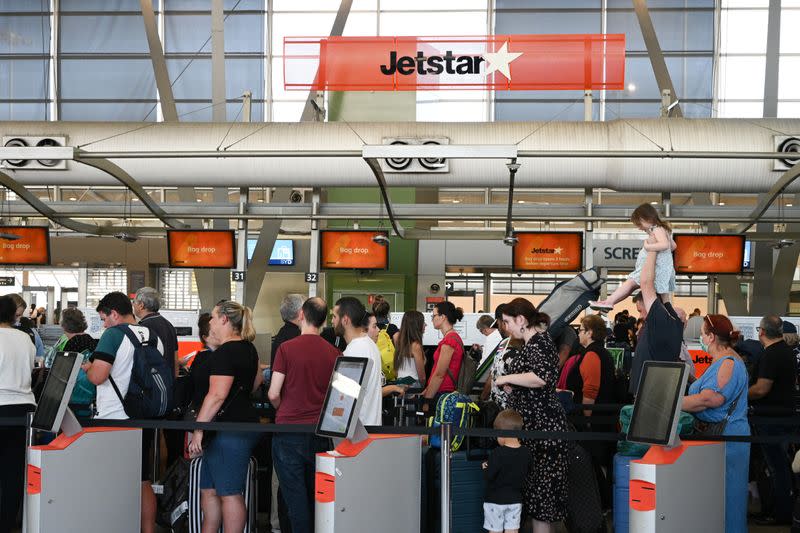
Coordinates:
(353,250)
(282,252)
(57,391)
(24,245)
(339,410)
(658,403)
(548,252)
(201,249)
(709,254)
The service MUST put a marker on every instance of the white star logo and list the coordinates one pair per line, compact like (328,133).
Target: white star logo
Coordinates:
(499,61)
(558,251)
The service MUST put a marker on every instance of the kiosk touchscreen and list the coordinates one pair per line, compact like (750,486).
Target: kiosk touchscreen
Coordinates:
(339,416)
(677,486)
(52,407)
(657,408)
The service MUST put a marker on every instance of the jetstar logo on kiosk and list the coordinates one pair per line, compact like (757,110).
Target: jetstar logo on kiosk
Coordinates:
(501,62)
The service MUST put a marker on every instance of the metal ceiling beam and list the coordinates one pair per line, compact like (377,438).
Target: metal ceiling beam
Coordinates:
(168,108)
(766,200)
(375,166)
(123,177)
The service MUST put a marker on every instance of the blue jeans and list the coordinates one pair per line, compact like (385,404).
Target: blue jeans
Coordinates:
(225,462)
(776,456)
(293,455)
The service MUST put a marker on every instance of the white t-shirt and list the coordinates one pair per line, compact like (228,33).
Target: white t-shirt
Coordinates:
(492,340)
(371,405)
(17,354)
(115,348)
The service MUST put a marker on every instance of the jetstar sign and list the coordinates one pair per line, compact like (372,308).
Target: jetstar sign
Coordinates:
(500,62)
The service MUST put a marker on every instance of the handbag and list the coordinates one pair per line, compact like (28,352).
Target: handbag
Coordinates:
(192,412)
(715,428)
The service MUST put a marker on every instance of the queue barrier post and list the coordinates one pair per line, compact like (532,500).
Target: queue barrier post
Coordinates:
(444,477)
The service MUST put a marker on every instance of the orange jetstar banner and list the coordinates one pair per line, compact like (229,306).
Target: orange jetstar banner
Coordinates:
(549,252)
(499,62)
(201,249)
(24,245)
(709,254)
(353,250)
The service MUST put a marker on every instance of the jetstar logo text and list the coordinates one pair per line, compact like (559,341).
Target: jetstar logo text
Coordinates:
(499,62)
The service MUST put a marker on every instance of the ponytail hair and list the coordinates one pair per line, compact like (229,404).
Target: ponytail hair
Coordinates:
(721,327)
(241,318)
(647,213)
(524,308)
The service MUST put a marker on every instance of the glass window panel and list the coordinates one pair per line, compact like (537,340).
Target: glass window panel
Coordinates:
(789,78)
(107,78)
(790,37)
(640,82)
(17,111)
(12,6)
(789,109)
(741,77)
(23,78)
(205,5)
(632,110)
(299,24)
(108,111)
(109,34)
(436,96)
(102,5)
(691,76)
(278,91)
(25,35)
(534,4)
(451,111)
(745,3)
(741,109)
(697,110)
(677,30)
(427,5)
(743,32)
(188,33)
(516,23)
(509,110)
(203,112)
(320,5)
(361,24)
(664,3)
(473,23)
(287,111)
(244,33)
(195,83)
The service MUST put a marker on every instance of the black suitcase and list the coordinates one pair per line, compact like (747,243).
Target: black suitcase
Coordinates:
(584,509)
(467,487)
(250,492)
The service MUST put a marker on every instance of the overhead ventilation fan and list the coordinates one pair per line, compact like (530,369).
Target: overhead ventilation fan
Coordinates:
(789,146)
(16,142)
(432,163)
(398,163)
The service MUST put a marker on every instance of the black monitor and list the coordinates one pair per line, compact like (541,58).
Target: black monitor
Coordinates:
(57,391)
(339,416)
(657,407)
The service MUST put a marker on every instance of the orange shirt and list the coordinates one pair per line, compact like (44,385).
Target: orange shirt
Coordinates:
(590,373)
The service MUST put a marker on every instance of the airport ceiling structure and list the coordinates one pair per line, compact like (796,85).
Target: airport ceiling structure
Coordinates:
(171,113)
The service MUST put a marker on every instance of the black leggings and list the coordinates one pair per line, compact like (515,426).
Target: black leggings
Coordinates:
(12,473)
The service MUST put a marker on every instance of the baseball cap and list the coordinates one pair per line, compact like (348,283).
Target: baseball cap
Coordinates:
(788,327)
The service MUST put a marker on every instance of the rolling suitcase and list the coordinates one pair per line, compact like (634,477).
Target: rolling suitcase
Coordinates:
(250,492)
(584,509)
(622,476)
(467,488)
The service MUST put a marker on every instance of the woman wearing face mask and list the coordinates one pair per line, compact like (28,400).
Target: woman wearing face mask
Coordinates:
(721,394)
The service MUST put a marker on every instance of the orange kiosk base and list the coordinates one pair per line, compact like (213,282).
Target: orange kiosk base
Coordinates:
(372,485)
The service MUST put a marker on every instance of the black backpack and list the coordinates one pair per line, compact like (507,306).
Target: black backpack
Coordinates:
(150,390)
(173,501)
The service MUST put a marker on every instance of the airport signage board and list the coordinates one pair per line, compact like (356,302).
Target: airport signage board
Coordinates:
(201,248)
(616,253)
(352,250)
(499,62)
(24,245)
(548,252)
(709,254)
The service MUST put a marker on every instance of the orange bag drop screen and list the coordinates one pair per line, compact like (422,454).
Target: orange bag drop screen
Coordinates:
(549,252)
(709,254)
(32,248)
(201,249)
(352,250)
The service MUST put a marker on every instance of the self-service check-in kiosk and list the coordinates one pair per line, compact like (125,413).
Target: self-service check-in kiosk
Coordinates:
(86,480)
(676,487)
(368,482)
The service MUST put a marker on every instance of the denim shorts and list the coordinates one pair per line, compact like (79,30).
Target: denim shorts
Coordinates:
(225,462)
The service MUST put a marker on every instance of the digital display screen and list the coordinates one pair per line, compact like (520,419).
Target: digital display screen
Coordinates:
(353,250)
(548,252)
(338,411)
(46,417)
(201,248)
(709,254)
(657,404)
(24,245)
(282,252)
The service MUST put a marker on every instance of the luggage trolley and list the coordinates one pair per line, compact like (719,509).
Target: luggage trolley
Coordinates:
(676,487)
(85,480)
(367,480)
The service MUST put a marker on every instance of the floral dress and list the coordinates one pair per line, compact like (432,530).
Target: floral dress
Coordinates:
(545,492)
